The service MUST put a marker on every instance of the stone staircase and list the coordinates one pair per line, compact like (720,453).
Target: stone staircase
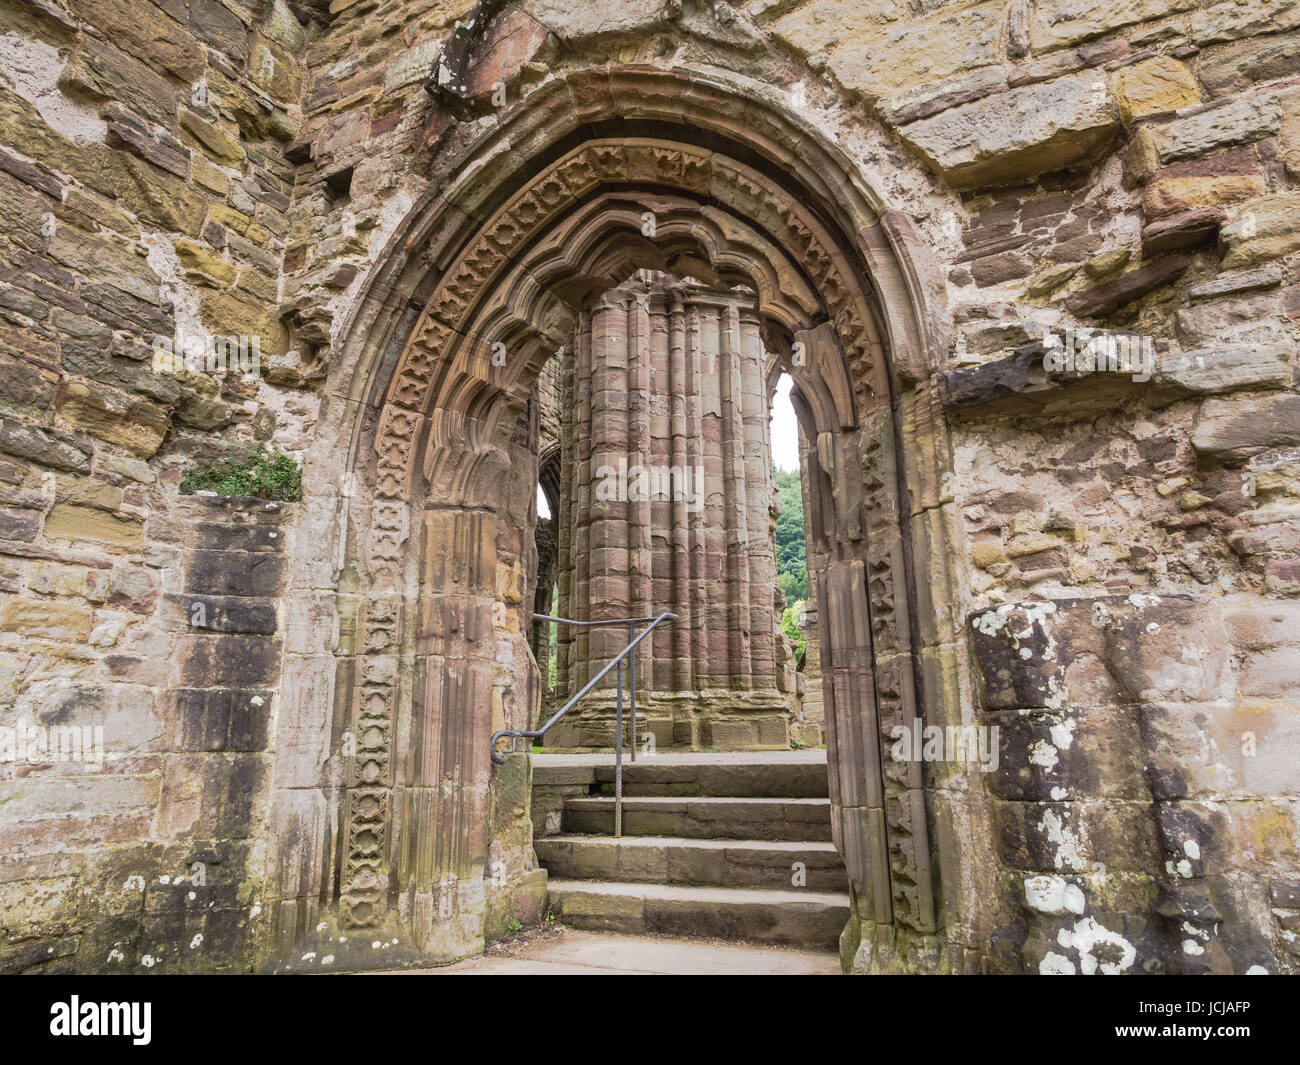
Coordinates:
(711,845)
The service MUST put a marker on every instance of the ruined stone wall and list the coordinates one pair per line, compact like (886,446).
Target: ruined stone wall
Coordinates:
(238,168)
(145,193)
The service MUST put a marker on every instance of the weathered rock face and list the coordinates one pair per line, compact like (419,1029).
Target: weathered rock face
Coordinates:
(1027,131)
(930,207)
(1134,766)
(667,492)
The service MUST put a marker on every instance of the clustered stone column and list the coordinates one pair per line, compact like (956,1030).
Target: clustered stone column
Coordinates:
(666,493)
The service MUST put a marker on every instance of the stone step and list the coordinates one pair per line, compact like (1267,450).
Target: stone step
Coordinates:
(808,919)
(669,860)
(703,818)
(797,774)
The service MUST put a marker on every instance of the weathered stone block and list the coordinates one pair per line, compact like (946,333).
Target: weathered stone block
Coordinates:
(1244,425)
(1235,122)
(159,197)
(1110,296)
(210,796)
(1262,229)
(274,70)
(1255,627)
(220,536)
(163,151)
(210,138)
(52,578)
(91,361)
(1018,134)
(912,103)
(885,59)
(1282,576)
(224,613)
(73,522)
(228,313)
(234,573)
(237,510)
(33,174)
(1154,86)
(19,524)
(1110,649)
(1236,836)
(1078,753)
(105,258)
(24,387)
(1243,18)
(148,34)
(205,265)
(221,28)
(1201,323)
(227,661)
(221,719)
(1056,837)
(572,23)
(47,619)
(1239,66)
(138,425)
(1180,231)
(1260,360)
(100,70)
(1060,23)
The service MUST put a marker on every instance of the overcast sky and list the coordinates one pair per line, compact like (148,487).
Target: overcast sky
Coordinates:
(785,430)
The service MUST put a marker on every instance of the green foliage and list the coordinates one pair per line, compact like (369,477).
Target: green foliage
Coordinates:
(790,627)
(265,474)
(791,560)
(552,655)
(791,586)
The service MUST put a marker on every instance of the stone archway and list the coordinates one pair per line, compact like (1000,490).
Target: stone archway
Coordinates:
(432,565)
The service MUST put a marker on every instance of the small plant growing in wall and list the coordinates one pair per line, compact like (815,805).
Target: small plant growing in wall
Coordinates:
(268,473)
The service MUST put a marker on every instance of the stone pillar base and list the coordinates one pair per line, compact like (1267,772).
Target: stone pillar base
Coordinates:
(891,950)
(689,721)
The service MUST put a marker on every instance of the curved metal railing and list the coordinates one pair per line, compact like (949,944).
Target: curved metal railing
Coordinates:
(633,638)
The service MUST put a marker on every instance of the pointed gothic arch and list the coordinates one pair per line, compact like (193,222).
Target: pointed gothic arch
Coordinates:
(537,216)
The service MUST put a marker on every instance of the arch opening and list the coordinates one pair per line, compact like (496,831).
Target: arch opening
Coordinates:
(485,284)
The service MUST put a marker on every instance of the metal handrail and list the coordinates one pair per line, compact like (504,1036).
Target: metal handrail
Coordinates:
(634,638)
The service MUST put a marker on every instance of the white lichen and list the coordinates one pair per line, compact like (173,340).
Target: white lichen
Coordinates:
(1087,936)
(1069,848)
(1053,894)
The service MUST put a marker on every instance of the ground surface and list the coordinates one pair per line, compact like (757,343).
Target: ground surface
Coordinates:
(809,755)
(560,951)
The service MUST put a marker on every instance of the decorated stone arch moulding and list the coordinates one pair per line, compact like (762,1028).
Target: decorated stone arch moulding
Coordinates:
(488,256)
(712,105)
(488,261)
(412,416)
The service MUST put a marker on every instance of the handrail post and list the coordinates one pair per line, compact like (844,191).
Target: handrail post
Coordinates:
(634,640)
(618,758)
(631,635)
